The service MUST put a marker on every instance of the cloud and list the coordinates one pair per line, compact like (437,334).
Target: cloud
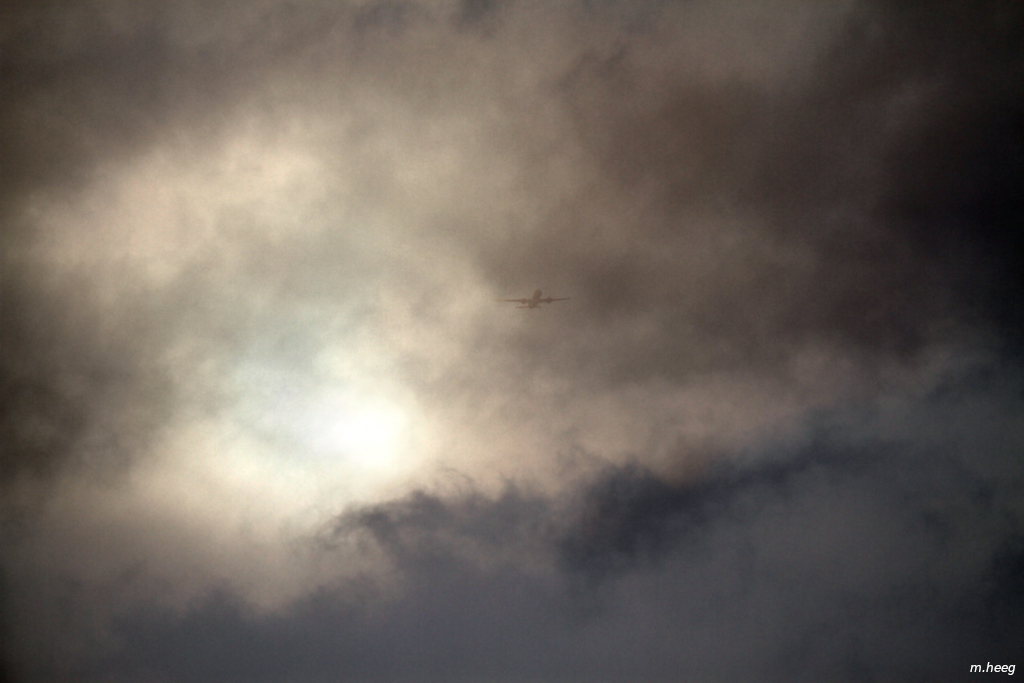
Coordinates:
(882,559)
(259,401)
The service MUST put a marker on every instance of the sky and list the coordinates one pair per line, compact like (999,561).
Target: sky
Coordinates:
(264,421)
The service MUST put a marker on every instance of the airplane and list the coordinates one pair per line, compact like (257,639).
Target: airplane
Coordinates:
(535,301)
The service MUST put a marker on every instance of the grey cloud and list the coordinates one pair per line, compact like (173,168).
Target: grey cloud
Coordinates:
(76,379)
(821,172)
(879,561)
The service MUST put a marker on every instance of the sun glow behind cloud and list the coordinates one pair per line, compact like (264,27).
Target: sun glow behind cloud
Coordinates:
(299,413)
(322,421)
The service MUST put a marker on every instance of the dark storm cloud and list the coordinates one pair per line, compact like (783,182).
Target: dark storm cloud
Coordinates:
(774,434)
(876,560)
(883,189)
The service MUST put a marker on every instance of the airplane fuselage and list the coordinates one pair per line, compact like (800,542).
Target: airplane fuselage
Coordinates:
(533,302)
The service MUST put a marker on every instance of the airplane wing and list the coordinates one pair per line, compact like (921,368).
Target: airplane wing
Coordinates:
(563,299)
(518,301)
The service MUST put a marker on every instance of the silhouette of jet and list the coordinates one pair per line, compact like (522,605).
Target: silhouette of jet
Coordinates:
(534,302)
